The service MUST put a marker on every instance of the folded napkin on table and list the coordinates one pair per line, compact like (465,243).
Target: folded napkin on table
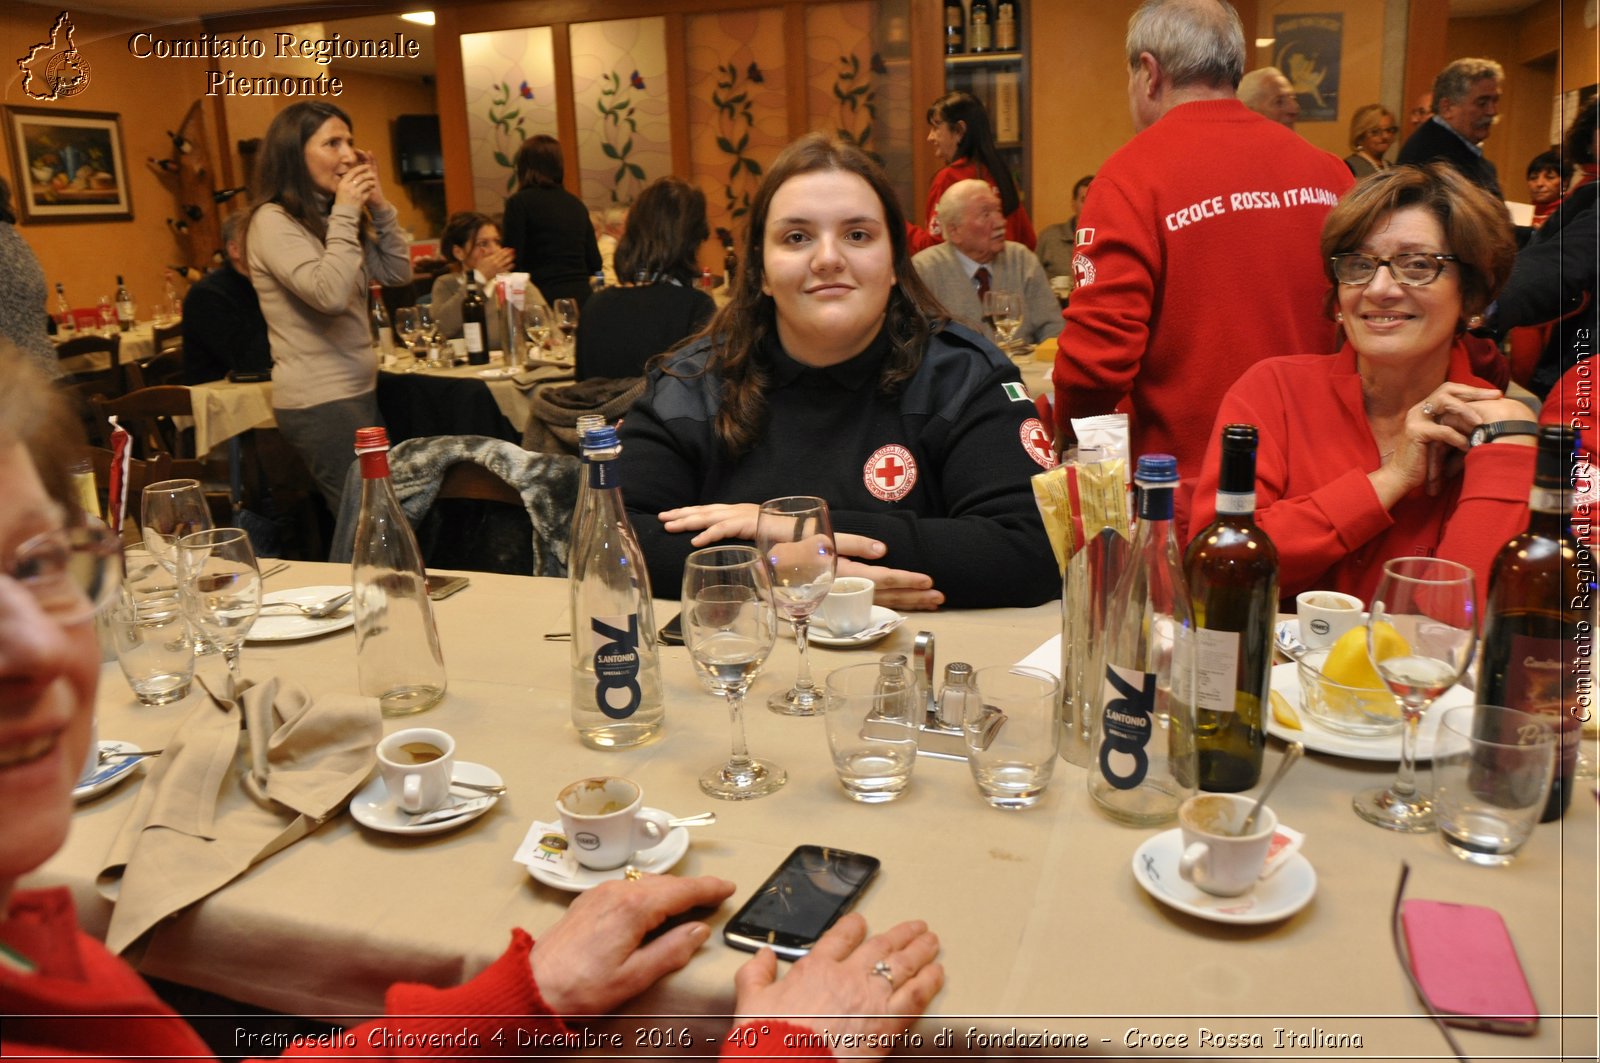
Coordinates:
(195,827)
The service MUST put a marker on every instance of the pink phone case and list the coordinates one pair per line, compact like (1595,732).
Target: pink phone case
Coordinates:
(1465,962)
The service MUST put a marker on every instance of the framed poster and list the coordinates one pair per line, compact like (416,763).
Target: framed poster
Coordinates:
(1306,48)
(69,165)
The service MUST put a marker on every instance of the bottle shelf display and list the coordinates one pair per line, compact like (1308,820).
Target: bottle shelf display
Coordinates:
(997,75)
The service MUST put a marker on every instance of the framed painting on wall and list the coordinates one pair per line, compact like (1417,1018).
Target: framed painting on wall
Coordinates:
(68,165)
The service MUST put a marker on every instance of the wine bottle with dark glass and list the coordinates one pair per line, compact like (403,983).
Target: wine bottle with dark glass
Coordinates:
(475,322)
(980,27)
(1536,637)
(955,27)
(1007,19)
(1232,571)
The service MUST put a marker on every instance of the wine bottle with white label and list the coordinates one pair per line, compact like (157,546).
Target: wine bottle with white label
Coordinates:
(1537,643)
(1232,572)
(1143,738)
(475,322)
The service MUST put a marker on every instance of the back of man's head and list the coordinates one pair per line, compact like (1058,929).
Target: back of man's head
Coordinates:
(1197,42)
(1455,81)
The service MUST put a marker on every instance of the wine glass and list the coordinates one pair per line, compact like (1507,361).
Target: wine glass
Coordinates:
(566,315)
(168,511)
(536,326)
(1003,311)
(1421,633)
(408,328)
(221,587)
(795,538)
(729,627)
(429,333)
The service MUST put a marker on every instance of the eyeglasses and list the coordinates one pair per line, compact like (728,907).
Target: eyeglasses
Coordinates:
(71,572)
(1390,129)
(1413,268)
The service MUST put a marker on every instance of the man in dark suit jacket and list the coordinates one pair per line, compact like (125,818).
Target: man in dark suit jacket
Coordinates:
(223,330)
(1466,98)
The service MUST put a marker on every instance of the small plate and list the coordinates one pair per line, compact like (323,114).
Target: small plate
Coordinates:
(286,626)
(1382,748)
(883,620)
(655,860)
(110,773)
(500,373)
(373,807)
(1155,867)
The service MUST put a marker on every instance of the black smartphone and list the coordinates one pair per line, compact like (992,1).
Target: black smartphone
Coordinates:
(808,893)
(671,633)
(440,587)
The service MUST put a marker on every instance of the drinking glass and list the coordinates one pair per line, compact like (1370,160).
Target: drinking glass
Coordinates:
(408,329)
(154,645)
(1012,732)
(221,586)
(1492,769)
(1431,605)
(431,336)
(795,538)
(872,731)
(566,319)
(168,511)
(1003,311)
(729,626)
(108,316)
(536,326)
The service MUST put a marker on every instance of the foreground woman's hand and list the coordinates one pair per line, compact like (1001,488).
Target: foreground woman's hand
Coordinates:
(592,959)
(837,982)
(715,522)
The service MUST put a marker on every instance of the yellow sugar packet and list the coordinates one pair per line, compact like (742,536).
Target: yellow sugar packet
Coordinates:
(1078,501)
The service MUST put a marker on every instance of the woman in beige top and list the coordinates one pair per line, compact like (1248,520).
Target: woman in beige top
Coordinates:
(320,233)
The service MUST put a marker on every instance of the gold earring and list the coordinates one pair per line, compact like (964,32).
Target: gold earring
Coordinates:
(1338,316)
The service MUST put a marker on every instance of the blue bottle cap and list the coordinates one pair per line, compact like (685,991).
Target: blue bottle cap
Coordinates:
(1156,469)
(600,438)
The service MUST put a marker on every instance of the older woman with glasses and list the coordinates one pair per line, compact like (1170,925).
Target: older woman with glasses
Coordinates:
(1372,132)
(1392,446)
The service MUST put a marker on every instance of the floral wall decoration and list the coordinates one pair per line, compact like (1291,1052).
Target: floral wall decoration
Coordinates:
(858,108)
(619,89)
(858,81)
(735,121)
(509,78)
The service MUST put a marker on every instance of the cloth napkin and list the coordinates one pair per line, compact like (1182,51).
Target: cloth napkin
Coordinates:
(194,827)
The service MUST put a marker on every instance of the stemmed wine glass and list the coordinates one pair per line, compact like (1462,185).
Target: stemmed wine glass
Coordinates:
(408,328)
(168,511)
(566,315)
(1431,605)
(729,627)
(1003,310)
(429,333)
(795,538)
(221,587)
(536,326)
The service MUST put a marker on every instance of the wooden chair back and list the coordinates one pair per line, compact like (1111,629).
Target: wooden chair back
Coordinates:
(149,415)
(468,479)
(90,382)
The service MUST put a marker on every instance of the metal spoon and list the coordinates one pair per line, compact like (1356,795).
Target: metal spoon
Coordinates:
(109,754)
(1290,755)
(493,789)
(316,610)
(699,819)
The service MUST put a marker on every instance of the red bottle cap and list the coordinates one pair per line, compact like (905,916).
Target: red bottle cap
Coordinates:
(370,439)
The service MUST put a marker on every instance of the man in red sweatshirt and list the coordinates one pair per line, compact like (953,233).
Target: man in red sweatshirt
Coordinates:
(1197,248)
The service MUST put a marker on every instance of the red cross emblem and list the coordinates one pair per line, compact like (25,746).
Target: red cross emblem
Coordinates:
(1037,443)
(890,473)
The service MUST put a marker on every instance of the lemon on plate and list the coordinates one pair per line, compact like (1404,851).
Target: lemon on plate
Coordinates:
(1350,665)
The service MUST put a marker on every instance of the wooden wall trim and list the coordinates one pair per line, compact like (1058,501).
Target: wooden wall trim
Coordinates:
(1426,29)
(677,41)
(927,85)
(449,89)
(796,85)
(566,104)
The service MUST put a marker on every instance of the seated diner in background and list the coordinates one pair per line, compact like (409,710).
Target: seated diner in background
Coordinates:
(657,304)
(831,372)
(54,978)
(471,243)
(223,330)
(1392,446)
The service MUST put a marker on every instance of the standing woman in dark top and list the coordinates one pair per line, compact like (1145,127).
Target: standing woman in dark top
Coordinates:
(548,226)
(657,304)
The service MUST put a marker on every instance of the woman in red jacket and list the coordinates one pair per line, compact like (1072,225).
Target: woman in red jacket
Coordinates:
(959,130)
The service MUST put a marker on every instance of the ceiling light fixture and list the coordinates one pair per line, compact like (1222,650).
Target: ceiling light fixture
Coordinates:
(421,18)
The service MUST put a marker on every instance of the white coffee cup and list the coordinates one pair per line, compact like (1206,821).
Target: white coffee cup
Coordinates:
(417,765)
(848,607)
(604,822)
(1325,615)
(1215,857)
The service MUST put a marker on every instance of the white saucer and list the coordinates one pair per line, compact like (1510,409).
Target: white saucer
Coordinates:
(286,626)
(1381,748)
(110,773)
(1155,866)
(373,807)
(500,373)
(655,860)
(882,621)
